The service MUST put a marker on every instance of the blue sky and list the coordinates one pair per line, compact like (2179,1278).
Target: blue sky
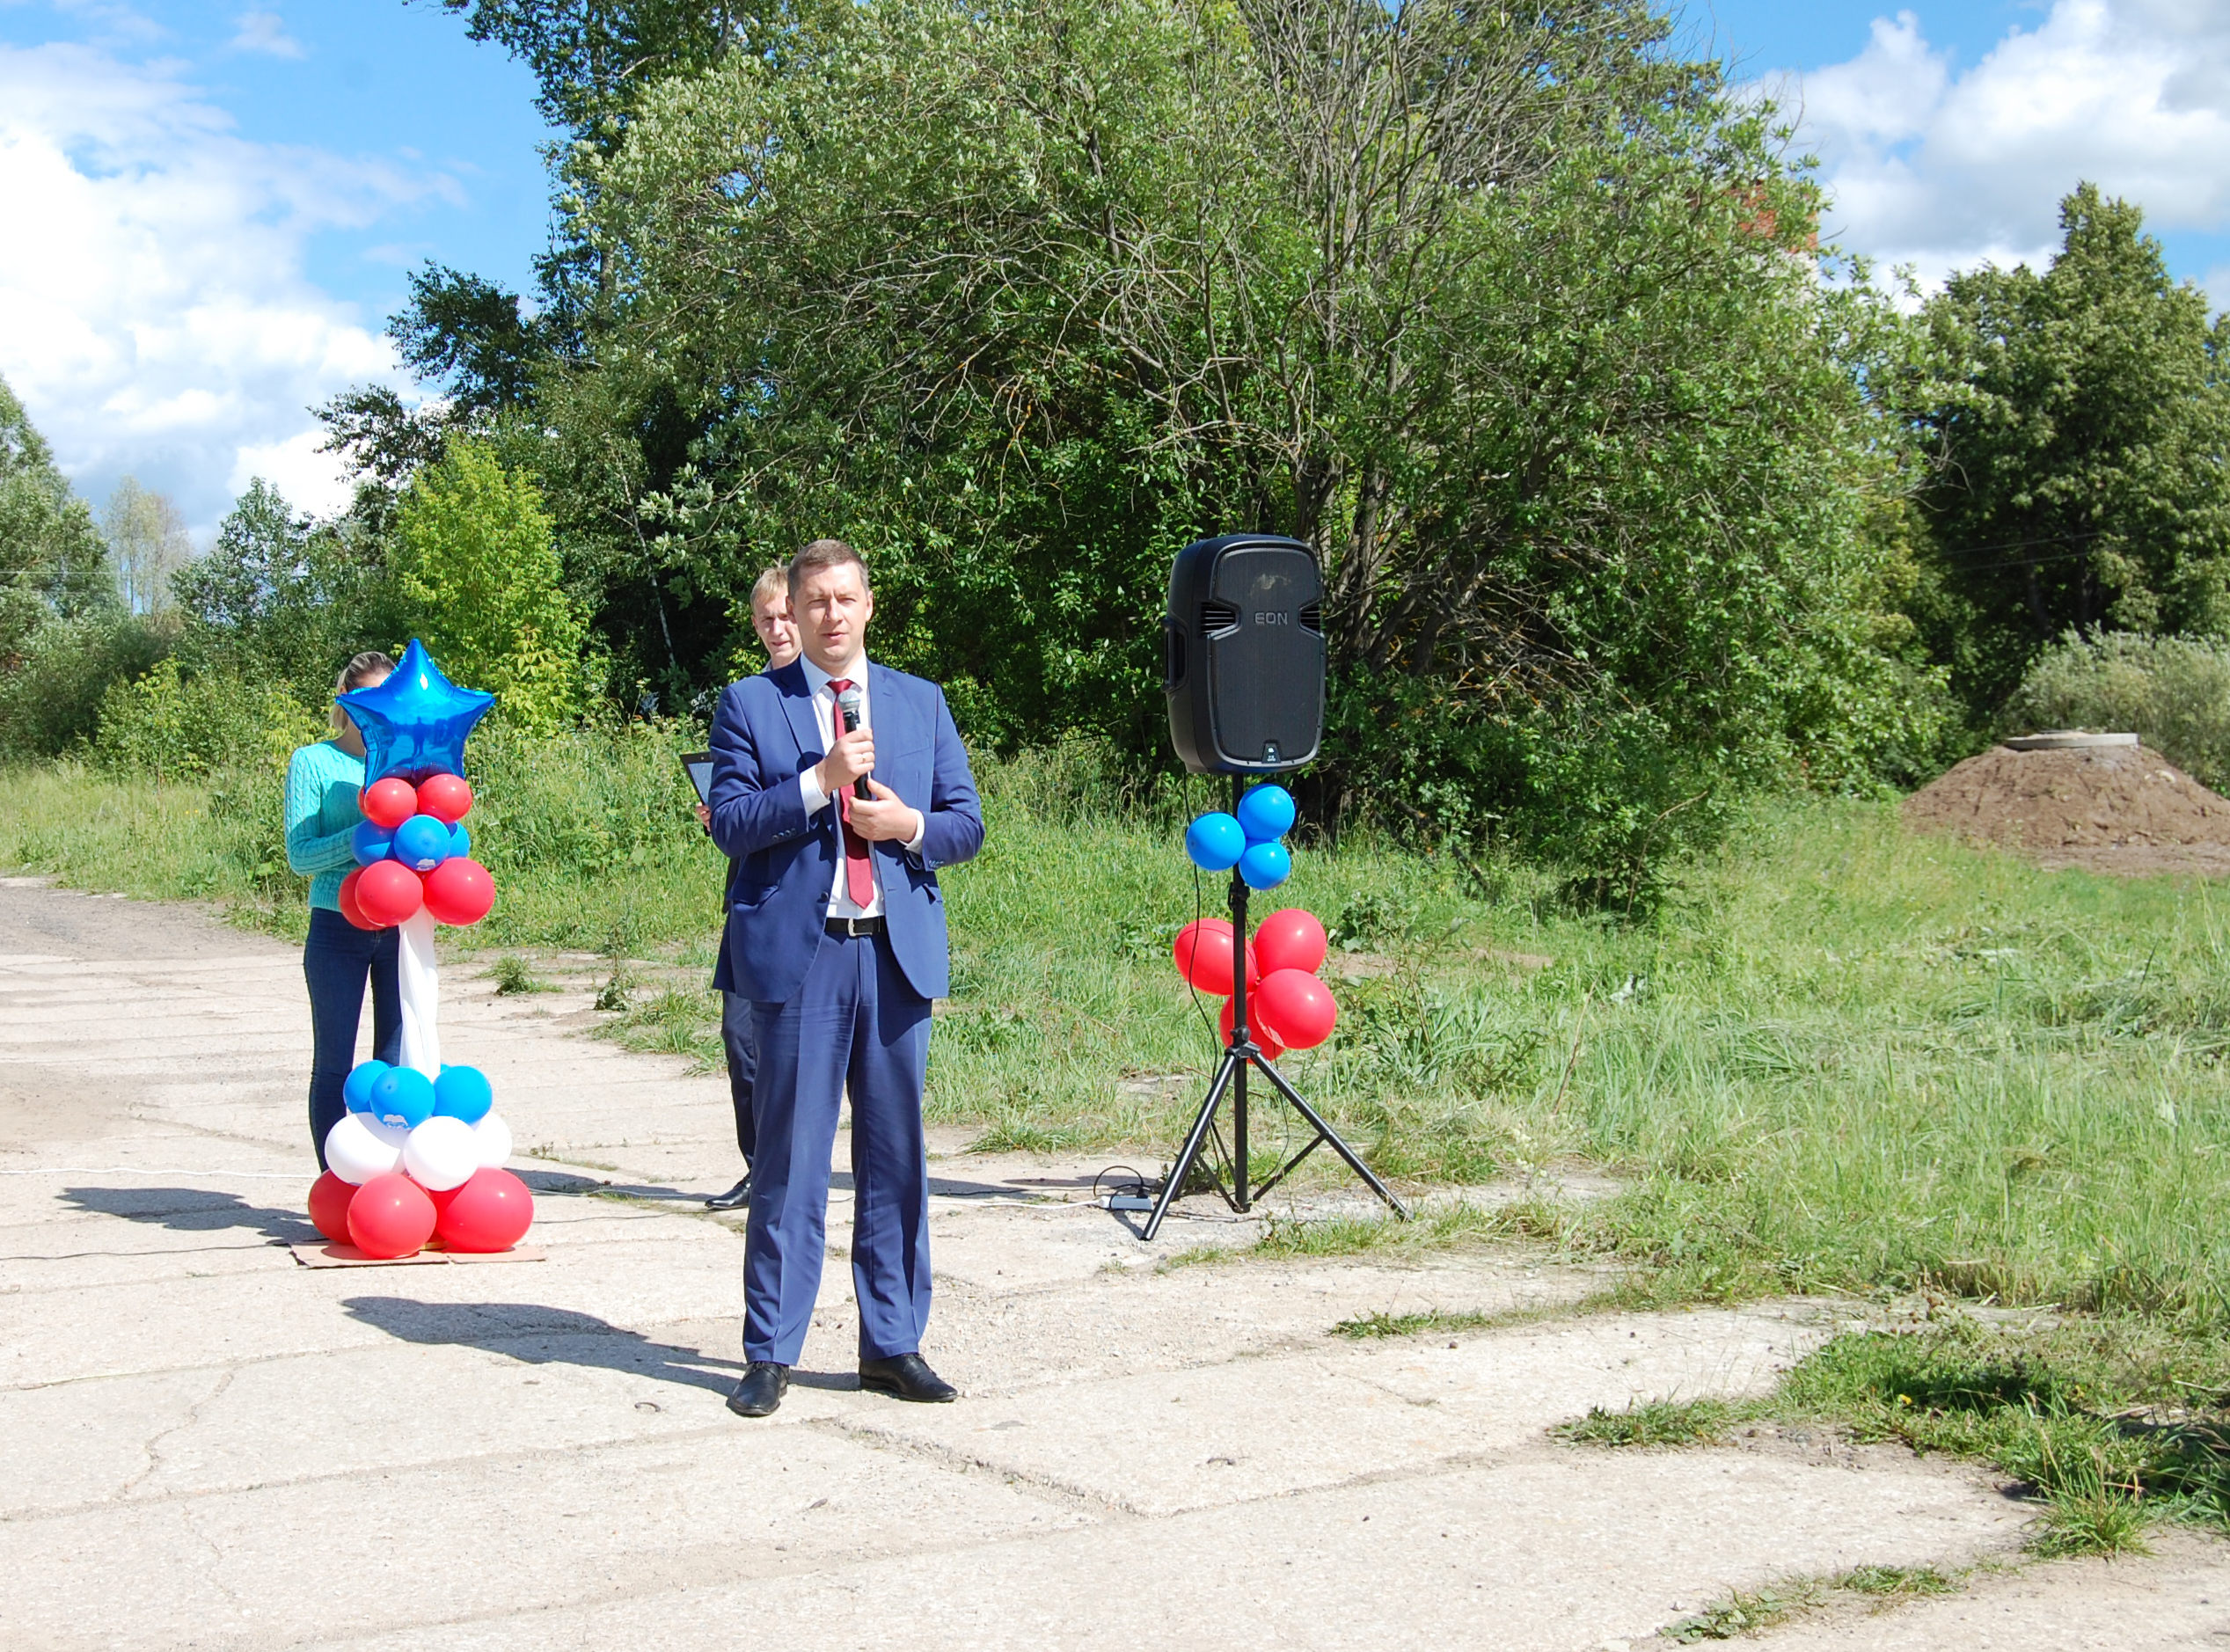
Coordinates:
(1949,132)
(211,207)
(212,210)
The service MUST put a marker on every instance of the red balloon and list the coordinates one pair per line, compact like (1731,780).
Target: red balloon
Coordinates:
(1291,939)
(445,797)
(1203,955)
(389,802)
(459,892)
(1298,1008)
(388,892)
(329,1200)
(491,1212)
(349,910)
(390,1216)
(1256,1029)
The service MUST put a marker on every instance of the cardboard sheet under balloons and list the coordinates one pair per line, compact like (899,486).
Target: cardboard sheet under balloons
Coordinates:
(332,1255)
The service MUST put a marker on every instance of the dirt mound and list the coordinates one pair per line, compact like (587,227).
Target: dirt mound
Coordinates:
(2115,809)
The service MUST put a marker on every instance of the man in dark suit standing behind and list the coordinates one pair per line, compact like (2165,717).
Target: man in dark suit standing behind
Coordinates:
(778,636)
(837,935)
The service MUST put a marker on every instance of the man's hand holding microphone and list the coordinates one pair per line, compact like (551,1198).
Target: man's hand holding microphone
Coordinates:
(877,815)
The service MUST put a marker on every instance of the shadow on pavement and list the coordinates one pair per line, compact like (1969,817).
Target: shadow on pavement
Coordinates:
(194,1210)
(538,1335)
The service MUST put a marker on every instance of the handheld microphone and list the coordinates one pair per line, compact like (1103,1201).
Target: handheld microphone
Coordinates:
(848,708)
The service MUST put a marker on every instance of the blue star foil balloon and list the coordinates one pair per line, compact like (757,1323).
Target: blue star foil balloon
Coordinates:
(415,723)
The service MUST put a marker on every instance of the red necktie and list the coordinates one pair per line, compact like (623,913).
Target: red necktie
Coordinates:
(859,874)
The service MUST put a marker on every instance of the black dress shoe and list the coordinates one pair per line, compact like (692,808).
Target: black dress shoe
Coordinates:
(734,1199)
(760,1392)
(907,1375)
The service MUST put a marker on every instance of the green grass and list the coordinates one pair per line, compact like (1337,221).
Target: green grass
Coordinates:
(2113,1423)
(1750,1611)
(1432,1322)
(1653,1423)
(513,974)
(1747,1612)
(1843,1058)
(1897,1582)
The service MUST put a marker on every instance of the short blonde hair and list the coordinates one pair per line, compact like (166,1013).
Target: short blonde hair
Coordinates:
(772,583)
(825,554)
(360,669)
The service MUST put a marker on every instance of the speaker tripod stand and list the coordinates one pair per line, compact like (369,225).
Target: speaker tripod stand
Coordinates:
(1240,1053)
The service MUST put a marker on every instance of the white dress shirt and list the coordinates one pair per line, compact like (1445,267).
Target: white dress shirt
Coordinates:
(824,713)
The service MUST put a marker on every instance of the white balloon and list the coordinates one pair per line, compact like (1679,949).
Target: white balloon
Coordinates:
(394,1135)
(356,1154)
(442,1154)
(493,1136)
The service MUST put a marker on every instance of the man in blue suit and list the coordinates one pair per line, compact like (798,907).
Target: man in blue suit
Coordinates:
(836,935)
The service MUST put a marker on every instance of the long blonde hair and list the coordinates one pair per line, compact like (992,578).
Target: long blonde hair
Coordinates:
(359,670)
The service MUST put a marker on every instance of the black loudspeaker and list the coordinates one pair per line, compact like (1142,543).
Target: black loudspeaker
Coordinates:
(1245,668)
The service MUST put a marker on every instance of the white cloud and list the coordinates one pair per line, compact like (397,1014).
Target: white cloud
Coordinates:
(1942,167)
(154,312)
(310,480)
(266,32)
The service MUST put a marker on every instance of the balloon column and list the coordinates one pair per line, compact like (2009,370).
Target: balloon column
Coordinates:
(420,1154)
(1288,1007)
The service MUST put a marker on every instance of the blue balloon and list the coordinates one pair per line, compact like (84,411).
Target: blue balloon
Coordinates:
(356,1088)
(1265,865)
(402,1096)
(463,1093)
(370,842)
(415,723)
(1215,843)
(1265,813)
(460,842)
(422,843)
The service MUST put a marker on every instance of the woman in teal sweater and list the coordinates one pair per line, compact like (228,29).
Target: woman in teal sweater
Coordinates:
(322,786)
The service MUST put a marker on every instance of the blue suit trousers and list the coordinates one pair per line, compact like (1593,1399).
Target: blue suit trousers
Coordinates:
(739,1039)
(856,1025)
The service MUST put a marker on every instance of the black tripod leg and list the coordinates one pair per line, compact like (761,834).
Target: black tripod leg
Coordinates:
(1182,1168)
(1331,1136)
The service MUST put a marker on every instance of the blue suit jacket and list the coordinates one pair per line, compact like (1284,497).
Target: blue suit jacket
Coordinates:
(765,735)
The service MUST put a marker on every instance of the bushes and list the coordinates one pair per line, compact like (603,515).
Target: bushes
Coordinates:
(172,727)
(589,802)
(51,700)
(2172,690)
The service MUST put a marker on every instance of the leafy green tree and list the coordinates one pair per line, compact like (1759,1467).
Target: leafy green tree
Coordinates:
(147,543)
(53,564)
(479,579)
(466,335)
(64,636)
(1514,318)
(2081,420)
(282,599)
(594,59)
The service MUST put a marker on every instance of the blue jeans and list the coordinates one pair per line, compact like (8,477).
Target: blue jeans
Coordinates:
(335,961)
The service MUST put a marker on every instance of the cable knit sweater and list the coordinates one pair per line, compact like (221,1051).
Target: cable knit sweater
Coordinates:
(322,784)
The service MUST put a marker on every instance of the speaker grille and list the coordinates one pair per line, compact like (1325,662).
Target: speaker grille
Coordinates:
(1217,619)
(1313,618)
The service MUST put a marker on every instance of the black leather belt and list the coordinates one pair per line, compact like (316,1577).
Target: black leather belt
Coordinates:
(850,928)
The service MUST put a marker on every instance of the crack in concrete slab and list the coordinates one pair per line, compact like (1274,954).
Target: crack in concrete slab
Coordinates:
(153,1447)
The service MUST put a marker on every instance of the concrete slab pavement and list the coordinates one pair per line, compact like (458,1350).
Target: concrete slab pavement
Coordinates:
(204,1443)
